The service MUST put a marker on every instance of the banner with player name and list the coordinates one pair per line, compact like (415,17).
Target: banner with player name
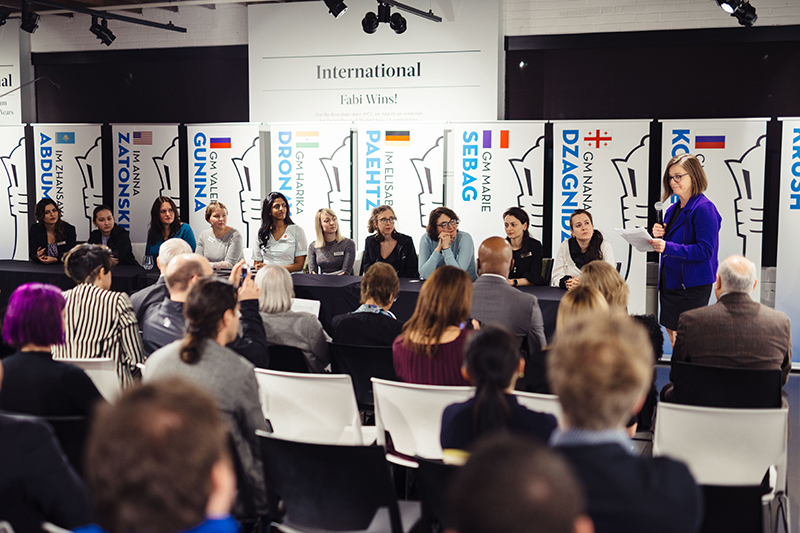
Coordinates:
(69,169)
(787,284)
(14,180)
(497,165)
(225,165)
(733,155)
(401,165)
(145,167)
(602,166)
(311,165)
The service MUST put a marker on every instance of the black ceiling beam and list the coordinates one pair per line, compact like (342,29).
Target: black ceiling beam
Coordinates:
(108,15)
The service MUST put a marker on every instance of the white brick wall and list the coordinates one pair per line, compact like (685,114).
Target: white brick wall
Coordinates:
(225,25)
(543,17)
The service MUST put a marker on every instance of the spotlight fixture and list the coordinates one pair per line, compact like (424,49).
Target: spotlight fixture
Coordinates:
(396,21)
(29,21)
(741,9)
(4,14)
(336,8)
(370,22)
(101,31)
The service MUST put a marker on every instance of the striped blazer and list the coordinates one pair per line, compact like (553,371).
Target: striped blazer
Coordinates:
(101,323)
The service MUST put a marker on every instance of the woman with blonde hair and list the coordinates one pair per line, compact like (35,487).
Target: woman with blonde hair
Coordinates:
(431,349)
(330,253)
(605,278)
(221,244)
(387,245)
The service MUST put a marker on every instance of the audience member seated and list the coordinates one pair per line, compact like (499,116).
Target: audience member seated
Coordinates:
(492,363)
(165,224)
(330,253)
(98,321)
(35,383)
(212,321)
(443,244)
(431,349)
(604,277)
(735,331)
(528,252)
(154,294)
(285,327)
(514,485)
(280,241)
(158,461)
(601,372)
(372,324)
(387,245)
(112,235)
(221,244)
(494,301)
(51,237)
(37,483)
(574,304)
(585,245)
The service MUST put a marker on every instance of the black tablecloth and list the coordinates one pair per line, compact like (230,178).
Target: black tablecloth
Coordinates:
(341,294)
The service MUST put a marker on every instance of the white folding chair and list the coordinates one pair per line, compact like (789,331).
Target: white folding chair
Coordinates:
(412,414)
(317,408)
(103,372)
(543,403)
(724,447)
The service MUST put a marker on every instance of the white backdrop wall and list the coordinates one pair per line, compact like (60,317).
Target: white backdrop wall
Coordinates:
(11,104)
(14,198)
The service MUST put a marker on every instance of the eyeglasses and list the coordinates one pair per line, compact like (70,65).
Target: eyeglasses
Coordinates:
(678,178)
(385,220)
(453,223)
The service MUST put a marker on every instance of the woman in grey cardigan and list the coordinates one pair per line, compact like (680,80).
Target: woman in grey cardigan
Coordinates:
(330,253)
(220,244)
(285,327)
(212,321)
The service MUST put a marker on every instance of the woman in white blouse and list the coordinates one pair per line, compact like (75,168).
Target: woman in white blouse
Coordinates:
(586,245)
(280,241)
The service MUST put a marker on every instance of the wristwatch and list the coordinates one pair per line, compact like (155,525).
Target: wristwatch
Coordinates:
(515,282)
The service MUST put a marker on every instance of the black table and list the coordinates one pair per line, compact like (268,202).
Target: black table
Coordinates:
(341,294)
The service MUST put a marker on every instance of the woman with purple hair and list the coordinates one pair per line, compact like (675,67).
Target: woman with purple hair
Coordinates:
(34,383)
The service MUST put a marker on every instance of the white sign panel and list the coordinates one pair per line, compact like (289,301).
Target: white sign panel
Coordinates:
(733,154)
(14,209)
(69,169)
(311,167)
(307,66)
(145,167)
(602,166)
(10,104)
(787,284)
(401,166)
(497,165)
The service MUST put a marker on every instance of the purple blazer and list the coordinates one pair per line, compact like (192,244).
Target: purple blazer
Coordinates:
(692,244)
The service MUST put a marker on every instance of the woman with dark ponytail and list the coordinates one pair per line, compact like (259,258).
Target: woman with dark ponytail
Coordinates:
(212,321)
(492,362)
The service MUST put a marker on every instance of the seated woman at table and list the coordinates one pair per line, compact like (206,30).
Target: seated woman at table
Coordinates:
(35,383)
(431,349)
(330,253)
(527,251)
(443,245)
(386,245)
(220,244)
(280,241)
(492,362)
(165,223)
(111,234)
(99,322)
(51,237)
(586,245)
(285,327)
(372,324)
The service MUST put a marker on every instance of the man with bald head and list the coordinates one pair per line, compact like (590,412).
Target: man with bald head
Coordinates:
(736,331)
(496,302)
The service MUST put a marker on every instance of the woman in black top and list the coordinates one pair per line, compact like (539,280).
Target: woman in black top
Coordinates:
(389,246)
(527,251)
(112,235)
(50,238)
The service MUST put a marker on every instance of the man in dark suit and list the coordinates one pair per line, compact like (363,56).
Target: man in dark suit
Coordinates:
(154,294)
(496,302)
(736,331)
(601,372)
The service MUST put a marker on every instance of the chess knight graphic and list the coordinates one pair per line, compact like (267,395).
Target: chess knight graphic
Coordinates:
(525,178)
(248,168)
(14,214)
(633,201)
(431,183)
(748,205)
(337,168)
(170,184)
(90,165)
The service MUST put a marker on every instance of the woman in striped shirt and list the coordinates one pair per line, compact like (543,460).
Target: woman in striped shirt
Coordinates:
(99,322)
